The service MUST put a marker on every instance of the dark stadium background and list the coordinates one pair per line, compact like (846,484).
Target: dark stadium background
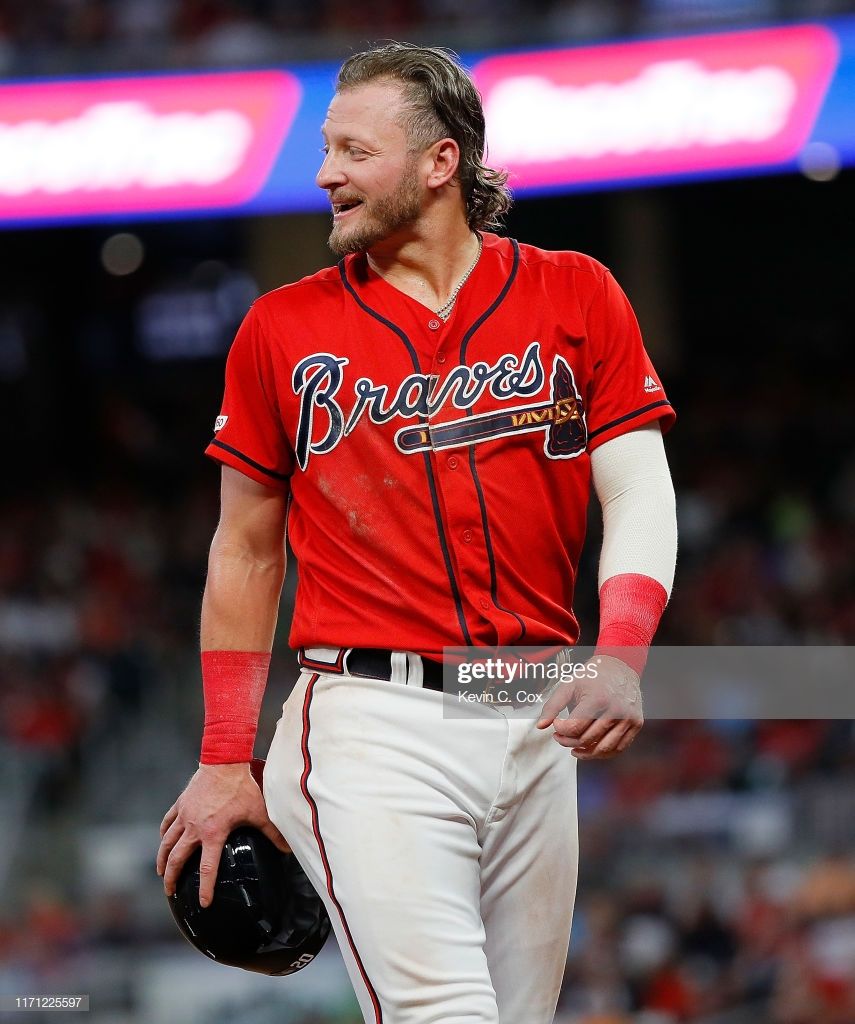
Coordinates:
(717,875)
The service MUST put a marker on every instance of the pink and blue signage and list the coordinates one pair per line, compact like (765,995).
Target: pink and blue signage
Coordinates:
(658,108)
(241,142)
(162,144)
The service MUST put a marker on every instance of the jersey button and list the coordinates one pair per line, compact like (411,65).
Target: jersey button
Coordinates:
(467,536)
(453,462)
(485,604)
(440,357)
(434,325)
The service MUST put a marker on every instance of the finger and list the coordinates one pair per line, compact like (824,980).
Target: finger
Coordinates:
(599,728)
(607,746)
(169,818)
(581,719)
(555,704)
(629,736)
(276,837)
(176,861)
(592,755)
(211,853)
(170,838)
(584,750)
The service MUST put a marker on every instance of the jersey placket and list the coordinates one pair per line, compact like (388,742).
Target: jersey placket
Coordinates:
(437,349)
(461,502)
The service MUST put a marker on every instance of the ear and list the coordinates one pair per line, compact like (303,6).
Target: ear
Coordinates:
(444,159)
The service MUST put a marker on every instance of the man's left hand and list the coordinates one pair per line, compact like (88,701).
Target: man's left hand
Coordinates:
(605,711)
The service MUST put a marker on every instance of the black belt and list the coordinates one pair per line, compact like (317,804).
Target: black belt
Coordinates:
(376,663)
(368,662)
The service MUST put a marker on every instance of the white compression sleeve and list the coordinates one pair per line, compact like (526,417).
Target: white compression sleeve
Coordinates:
(632,481)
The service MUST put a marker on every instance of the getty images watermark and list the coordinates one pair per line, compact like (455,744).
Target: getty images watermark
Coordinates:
(516,679)
(730,682)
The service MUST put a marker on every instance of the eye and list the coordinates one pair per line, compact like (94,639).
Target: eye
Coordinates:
(357,154)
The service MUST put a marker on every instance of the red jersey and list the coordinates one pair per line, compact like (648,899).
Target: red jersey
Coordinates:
(439,473)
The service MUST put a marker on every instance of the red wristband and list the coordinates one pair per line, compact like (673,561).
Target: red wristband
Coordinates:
(631,606)
(233,683)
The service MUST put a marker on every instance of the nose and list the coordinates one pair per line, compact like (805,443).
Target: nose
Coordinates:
(329,175)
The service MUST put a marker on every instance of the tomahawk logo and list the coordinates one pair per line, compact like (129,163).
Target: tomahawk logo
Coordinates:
(562,418)
(319,378)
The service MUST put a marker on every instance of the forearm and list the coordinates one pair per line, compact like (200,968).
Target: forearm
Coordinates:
(639,552)
(240,605)
(633,484)
(239,612)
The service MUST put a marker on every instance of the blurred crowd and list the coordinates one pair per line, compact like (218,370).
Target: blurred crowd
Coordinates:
(68,35)
(717,886)
(703,896)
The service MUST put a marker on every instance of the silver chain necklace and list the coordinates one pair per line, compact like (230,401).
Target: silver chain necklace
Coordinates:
(444,311)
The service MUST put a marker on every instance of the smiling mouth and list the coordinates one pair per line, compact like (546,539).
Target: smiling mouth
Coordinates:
(339,209)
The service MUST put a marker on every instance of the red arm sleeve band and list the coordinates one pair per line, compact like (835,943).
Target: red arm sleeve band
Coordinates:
(631,606)
(233,683)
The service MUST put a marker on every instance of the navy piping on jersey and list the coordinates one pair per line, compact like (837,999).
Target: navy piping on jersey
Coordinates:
(494,587)
(629,416)
(443,542)
(288,503)
(250,462)
(316,829)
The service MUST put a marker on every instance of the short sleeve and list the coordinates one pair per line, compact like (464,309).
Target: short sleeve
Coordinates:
(248,433)
(626,391)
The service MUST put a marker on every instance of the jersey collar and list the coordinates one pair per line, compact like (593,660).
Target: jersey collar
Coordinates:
(487,282)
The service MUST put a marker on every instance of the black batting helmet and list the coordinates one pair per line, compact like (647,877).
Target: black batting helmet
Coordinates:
(265,915)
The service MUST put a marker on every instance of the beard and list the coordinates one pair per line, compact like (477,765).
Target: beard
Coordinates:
(381,218)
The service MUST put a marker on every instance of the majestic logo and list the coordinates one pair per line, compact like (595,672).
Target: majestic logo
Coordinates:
(318,378)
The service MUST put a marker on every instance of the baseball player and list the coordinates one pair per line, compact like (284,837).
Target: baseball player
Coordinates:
(426,418)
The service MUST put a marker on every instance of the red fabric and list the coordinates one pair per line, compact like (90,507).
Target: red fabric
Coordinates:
(233,684)
(469,533)
(631,606)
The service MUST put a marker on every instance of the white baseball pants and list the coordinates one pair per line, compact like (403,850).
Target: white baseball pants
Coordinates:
(445,849)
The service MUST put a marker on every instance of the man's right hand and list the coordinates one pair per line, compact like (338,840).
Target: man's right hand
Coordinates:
(216,800)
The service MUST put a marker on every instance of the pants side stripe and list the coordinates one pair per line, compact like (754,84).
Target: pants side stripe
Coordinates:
(304,787)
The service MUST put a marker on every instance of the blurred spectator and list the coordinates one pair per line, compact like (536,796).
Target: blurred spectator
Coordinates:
(80,35)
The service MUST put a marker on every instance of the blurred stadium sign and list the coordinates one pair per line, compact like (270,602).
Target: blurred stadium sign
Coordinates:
(656,108)
(136,145)
(621,114)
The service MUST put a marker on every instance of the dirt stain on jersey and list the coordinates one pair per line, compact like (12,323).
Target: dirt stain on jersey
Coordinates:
(354,514)
(357,524)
